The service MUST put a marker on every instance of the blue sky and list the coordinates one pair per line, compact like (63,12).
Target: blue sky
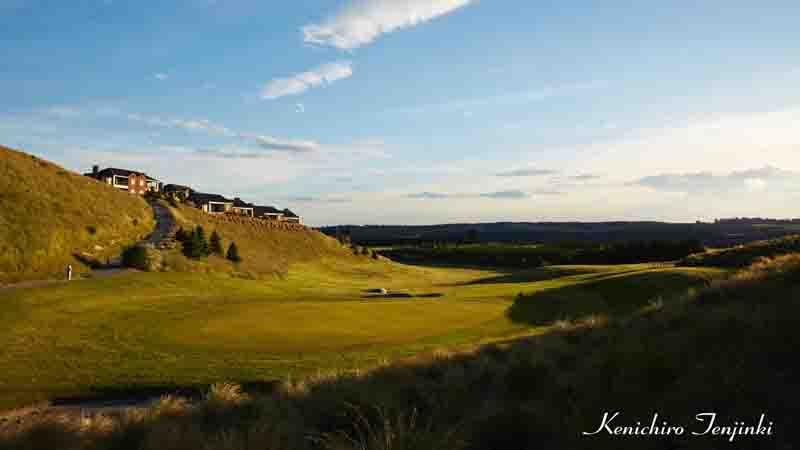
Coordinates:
(421,111)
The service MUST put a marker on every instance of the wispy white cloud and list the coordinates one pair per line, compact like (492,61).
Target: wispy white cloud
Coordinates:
(301,82)
(363,21)
(529,172)
(323,199)
(262,141)
(509,194)
(746,180)
(286,145)
(63,111)
(513,194)
(586,177)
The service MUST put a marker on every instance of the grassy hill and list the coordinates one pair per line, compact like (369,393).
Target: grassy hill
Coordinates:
(49,214)
(729,348)
(265,252)
(744,255)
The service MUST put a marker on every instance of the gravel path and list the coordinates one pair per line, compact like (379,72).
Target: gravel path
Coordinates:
(164,233)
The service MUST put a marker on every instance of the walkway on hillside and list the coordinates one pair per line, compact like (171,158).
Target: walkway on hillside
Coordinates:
(163,236)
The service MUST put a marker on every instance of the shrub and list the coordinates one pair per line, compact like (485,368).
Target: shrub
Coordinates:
(142,257)
(182,235)
(233,253)
(197,246)
(215,244)
(134,257)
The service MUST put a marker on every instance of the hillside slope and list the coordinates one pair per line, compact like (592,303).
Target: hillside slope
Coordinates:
(744,255)
(48,215)
(265,251)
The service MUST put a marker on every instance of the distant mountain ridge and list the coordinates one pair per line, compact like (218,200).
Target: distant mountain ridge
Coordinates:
(717,234)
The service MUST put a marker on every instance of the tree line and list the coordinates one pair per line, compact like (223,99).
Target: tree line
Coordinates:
(196,245)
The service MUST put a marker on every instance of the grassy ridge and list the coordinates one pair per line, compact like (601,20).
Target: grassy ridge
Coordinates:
(729,348)
(48,214)
(264,252)
(744,255)
(192,329)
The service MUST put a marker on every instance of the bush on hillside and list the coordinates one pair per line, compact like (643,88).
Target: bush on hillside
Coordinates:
(196,245)
(182,235)
(142,257)
(215,244)
(233,253)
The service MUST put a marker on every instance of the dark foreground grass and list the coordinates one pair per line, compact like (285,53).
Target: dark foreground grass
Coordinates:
(729,348)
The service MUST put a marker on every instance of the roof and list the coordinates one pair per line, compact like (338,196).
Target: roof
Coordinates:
(288,213)
(201,198)
(239,203)
(176,187)
(262,210)
(119,172)
(113,171)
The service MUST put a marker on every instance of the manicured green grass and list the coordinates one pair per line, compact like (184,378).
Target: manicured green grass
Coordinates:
(144,330)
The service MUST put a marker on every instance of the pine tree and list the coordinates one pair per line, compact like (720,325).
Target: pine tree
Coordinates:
(182,236)
(201,241)
(215,244)
(233,253)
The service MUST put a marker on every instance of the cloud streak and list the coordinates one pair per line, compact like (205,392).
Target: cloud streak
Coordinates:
(527,173)
(301,82)
(269,143)
(363,21)
(512,194)
(746,180)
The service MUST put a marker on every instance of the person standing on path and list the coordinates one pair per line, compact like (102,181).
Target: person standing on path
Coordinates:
(69,272)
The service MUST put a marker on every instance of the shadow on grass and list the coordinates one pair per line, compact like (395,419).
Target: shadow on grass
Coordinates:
(530,275)
(615,294)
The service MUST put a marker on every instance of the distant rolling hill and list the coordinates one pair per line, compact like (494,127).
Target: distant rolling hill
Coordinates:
(719,234)
(49,214)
